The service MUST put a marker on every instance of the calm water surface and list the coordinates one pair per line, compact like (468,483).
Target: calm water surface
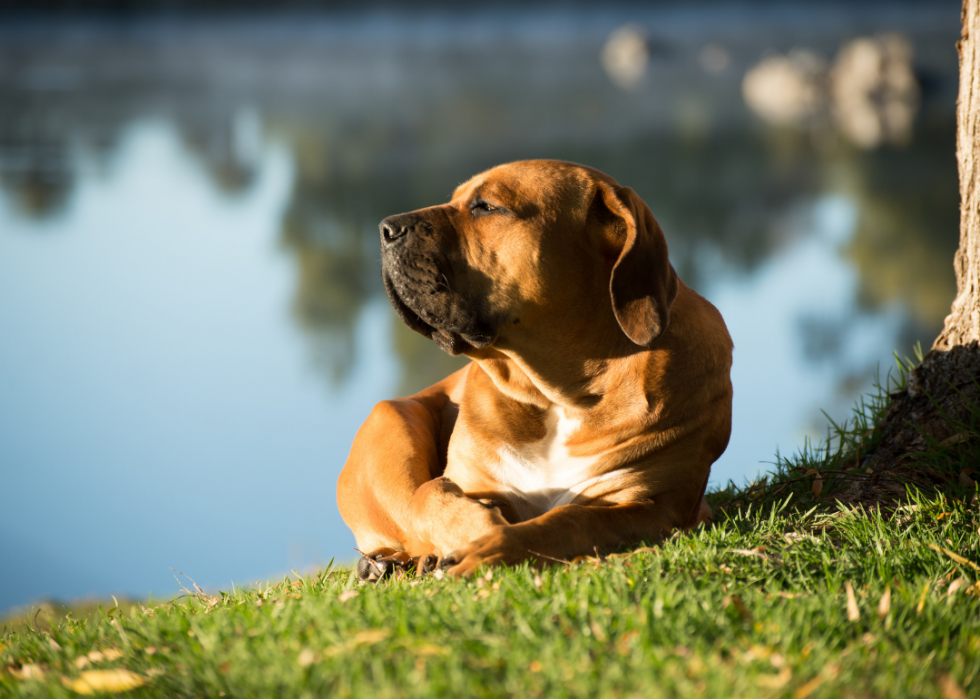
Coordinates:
(192,324)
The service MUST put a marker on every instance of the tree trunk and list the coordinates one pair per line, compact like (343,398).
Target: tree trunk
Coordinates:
(947,380)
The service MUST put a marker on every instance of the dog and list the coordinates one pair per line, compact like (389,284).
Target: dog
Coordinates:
(597,398)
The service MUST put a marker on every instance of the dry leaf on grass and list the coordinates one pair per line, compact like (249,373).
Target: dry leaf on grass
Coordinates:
(371,636)
(306,657)
(828,673)
(106,681)
(347,595)
(777,681)
(366,637)
(430,649)
(817,486)
(955,587)
(757,552)
(922,599)
(950,688)
(736,601)
(955,556)
(28,671)
(853,614)
(885,603)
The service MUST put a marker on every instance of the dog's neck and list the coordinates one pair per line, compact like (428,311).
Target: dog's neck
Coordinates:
(578,384)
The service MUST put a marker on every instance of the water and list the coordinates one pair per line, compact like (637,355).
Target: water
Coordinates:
(192,324)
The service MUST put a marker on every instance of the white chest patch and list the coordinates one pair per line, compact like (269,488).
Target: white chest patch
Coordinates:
(543,472)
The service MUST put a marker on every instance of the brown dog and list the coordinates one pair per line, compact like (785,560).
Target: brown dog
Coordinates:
(598,396)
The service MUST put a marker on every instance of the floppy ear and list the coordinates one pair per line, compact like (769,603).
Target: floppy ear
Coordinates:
(643,283)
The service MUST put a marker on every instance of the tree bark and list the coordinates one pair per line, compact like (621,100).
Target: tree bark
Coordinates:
(963,323)
(936,402)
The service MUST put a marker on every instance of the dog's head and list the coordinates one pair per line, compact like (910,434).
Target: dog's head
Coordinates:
(538,246)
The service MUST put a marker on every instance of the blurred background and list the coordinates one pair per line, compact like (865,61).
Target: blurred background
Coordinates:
(192,323)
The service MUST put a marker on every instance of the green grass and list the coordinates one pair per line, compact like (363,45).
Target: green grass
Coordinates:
(781,596)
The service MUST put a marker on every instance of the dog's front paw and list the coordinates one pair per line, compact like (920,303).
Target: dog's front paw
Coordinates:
(383,563)
(500,546)
(389,563)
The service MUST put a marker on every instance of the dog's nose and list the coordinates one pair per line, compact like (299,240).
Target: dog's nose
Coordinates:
(395,228)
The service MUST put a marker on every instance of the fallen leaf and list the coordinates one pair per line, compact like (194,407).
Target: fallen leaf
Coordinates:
(776,681)
(429,649)
(347,595)
(535,666)
(757,552)
(306,657)
(112,654)
(955,439)
(955,556)
(107,681)
(624,642)
(817,486)
(954,587)
(28,671)
(739,605)
(828,673)
(371,636)
(597,631)
(885,603)
(807,689)
(922,599)
(852,608)
(537,581)
(950,688)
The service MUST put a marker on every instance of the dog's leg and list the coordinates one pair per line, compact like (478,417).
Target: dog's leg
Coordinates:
(564,533)
(394,453)
(445,517)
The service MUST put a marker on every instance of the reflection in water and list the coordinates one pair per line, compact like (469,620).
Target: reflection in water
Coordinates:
(870,93)
(34,163)
(824,257)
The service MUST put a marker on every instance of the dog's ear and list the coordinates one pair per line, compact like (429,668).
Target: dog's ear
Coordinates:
(643,283)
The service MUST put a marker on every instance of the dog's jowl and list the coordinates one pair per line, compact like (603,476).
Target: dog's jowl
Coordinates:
(597,399)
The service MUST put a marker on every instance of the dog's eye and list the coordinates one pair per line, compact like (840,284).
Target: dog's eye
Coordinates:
(482,207)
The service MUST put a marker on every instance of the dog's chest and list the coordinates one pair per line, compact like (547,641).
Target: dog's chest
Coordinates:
(544,473)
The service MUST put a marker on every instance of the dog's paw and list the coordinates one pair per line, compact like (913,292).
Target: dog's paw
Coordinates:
(388,563)
(500,546)
(383,564)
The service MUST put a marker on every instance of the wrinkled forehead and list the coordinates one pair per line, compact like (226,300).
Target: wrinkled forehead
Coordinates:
(544,183)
